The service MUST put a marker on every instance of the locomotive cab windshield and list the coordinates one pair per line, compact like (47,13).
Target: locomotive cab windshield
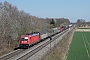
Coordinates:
(24,38)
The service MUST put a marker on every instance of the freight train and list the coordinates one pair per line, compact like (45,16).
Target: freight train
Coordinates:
(27,40)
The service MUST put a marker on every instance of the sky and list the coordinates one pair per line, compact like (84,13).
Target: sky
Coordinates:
(70,9)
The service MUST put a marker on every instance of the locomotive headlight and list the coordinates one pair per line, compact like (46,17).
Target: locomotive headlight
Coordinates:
(26,41)
(26,37)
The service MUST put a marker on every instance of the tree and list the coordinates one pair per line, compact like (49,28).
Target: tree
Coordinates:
(52,23)
(81,22)
(78,23)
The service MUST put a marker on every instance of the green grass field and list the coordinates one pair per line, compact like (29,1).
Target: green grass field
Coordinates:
(79,47)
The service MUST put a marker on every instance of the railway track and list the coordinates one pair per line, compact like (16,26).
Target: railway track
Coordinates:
(7,56)
(29,54)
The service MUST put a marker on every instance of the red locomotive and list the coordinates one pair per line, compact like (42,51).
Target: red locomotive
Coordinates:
(29,39)
(62,29)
